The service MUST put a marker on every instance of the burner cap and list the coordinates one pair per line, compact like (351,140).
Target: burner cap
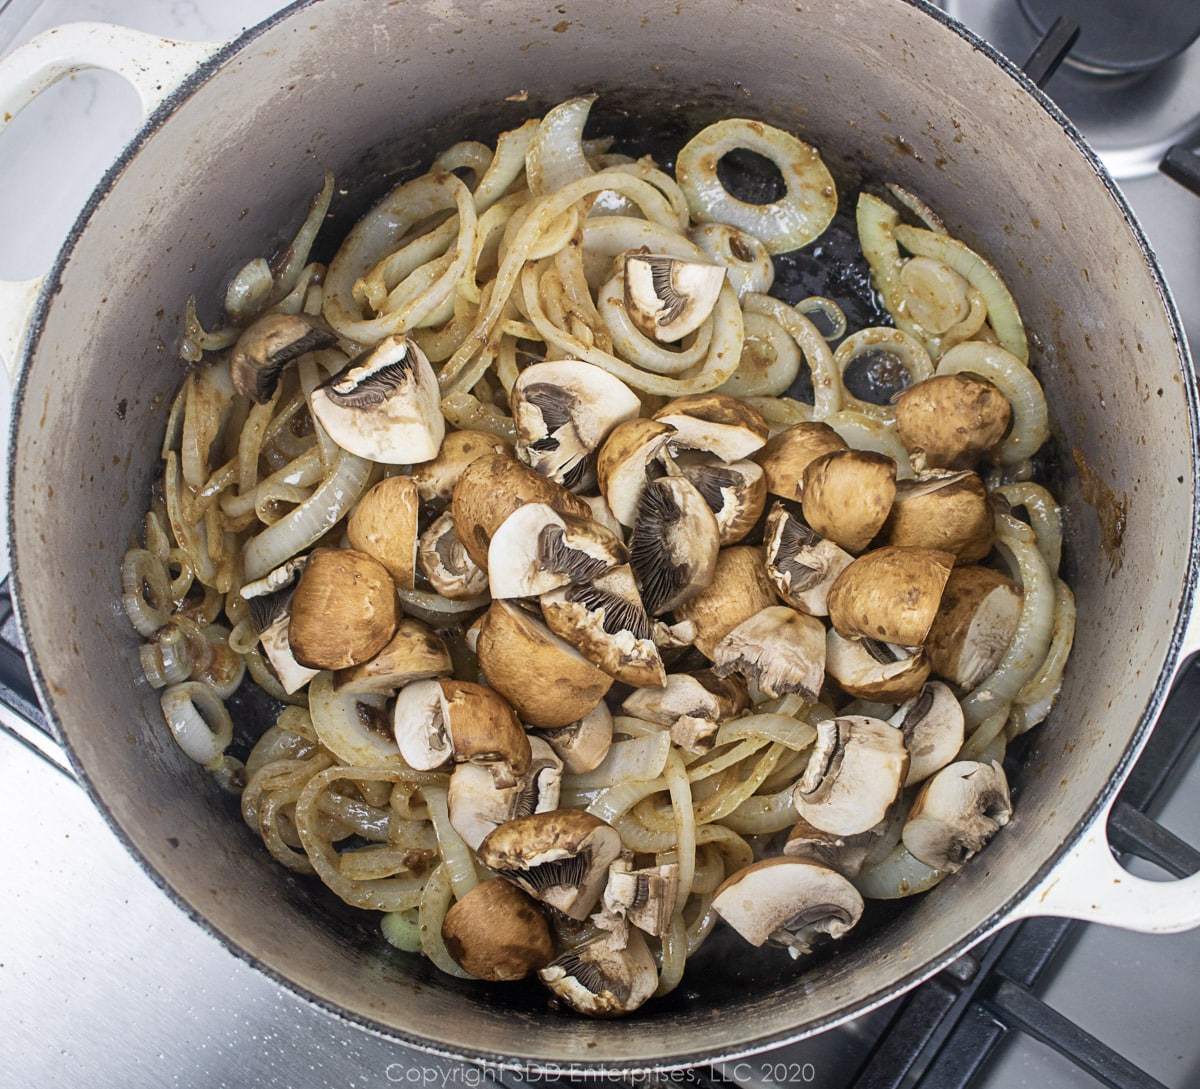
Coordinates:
(1120,36)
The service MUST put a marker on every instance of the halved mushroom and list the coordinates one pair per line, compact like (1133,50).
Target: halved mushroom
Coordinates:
(477,804)
(845,854)
(715,422)
(632,456)
(791,901)
(944,510)
(560,857)
(602,513)
(668,297)
(933,727)
(955,814)
(438,478)
(415,653)
(975,623)
(343,609)
(536,550)
(674,545)
(605,621)
(890,594)
(496,932)
(383,524)
(684,705)
(801,565)
(603,981)
(950,421)
(266,346)
(645,897)
(583,744)
(736,493)
(546,680)
(384,405)
(847,496)
(871,670)
(786,455)
(563,411)
(739,589)
(780,649)
(446,563)
(853,775)
(270,606)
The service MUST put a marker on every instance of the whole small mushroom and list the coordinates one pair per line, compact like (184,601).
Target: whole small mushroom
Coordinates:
(950,421)
(496,932)
(786,455)
(848,495)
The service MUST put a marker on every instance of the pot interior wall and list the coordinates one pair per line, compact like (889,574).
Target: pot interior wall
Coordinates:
(882,88)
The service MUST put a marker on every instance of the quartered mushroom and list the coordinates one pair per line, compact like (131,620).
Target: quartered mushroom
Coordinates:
(955,814)
(786,455)
(853,776)
(715,422)
(674,544)
(871,670)
(437,479)
(605,621)
(446,563)
(383,524)
(644,898)
(801,564)
(633,455)
(560,857)
(845,854)
(563,411)
(975,623)
(739,589)
(685,706)
(267,346)
(384,405)
(944,510)
(601,980)
(793,902)
(778,648)
(536,550)
(415,653)
(477,804)
(668,297)
(581,745)
(847,496)
(933,726)
(735,492)
(270,606)
(950,421)
(890,594)
(496,932)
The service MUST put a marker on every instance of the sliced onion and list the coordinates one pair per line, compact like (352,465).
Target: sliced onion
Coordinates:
(769,362)
(906,349)
(340,725)
(166,659)
(435,902)
(747,261)
(249,291)
(633,760)
(865,432)
(1038,695)
(763,814)
(145,591)
(1045,516)
(457,858)
(402,929)
(790,732)
(556,156)
(829,310)
(827,384)
(198,720)
(898,875)
(296,255)
(685,825)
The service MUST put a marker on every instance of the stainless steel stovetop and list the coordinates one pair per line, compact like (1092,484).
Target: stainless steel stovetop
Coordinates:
(103,982)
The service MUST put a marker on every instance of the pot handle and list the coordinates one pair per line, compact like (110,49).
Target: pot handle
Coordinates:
(153,66)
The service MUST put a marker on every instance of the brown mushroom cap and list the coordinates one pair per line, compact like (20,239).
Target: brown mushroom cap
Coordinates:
(624,464)
(786,455)
(947,511)
(483,728)
(975,622)
(890,594)
(416,652)
(383,524)
(739,589)
(343,610)
(497,932)
(848,495)
(267,345)
(876,671)
(437,479)
(950,421)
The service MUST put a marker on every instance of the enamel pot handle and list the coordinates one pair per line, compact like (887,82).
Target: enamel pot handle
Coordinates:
(153,66)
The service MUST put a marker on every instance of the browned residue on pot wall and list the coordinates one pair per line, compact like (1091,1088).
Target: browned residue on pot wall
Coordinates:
(1111,509)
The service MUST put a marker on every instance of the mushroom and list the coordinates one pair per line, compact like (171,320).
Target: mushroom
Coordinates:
(847,496)
(446,563)
(890,594)
(383,524)
(853,775)
(270,606)
(415,653)
(668,297)
(384,405)
(267,346)
(546,680)
(778,648)
(684,705)
(563,411)
(736,493)
(602,513)
(955,814)
(950,421)
(560,857)
(632,456)
(437,479)
(674,545)
(645,897)
(581,745)
(715,422)
(490,488)
(871,670)
(845,854)
(739,589)
(790,901)
(536,550)
(477,804)
(943,510)
(343,609)
(603,981)
(604,620)
(786,455)
(933,726)
(801,565)
(975,623)
(496,932)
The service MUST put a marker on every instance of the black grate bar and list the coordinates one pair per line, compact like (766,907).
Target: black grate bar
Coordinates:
(967,1050)
(1182,165)
(915,1030)
(1131,832)
(1051,51)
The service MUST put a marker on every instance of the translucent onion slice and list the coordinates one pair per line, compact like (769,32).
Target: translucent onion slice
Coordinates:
(145,591)
(865,432)
(827,383)
(747,261)
(800,216)
(402,929)
(898,875)
(769,362)
(629,760)
(457,858)
(341,723)
(685,825)
(556,155)
(198,720)
(907,350)
(1045,516)
(789,732)
(763,814)
(436,897)
(1038,695)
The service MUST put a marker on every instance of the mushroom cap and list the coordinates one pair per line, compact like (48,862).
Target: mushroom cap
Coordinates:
(801,565)
(848,494)
(343,609)
(437,479)
(546,680)
(267,345)
(870,670)
(779,648)
(845,854)
(951,420)
(582,745)
(445,562)
(668,297)
(415,653)
(786,455)
(790,900)
(943,510)
(739,589)
(715,422)
(383,524)
(853,776)
(933,725)
(497,932)
(384,405)
(735,492)
(600,980)
(975,623)
(955,814)
(890,594)
(625,461)
(674,544)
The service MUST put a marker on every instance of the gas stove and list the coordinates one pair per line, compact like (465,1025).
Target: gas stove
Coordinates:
(105,982)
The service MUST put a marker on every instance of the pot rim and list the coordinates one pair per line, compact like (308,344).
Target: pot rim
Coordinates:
(995,921)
